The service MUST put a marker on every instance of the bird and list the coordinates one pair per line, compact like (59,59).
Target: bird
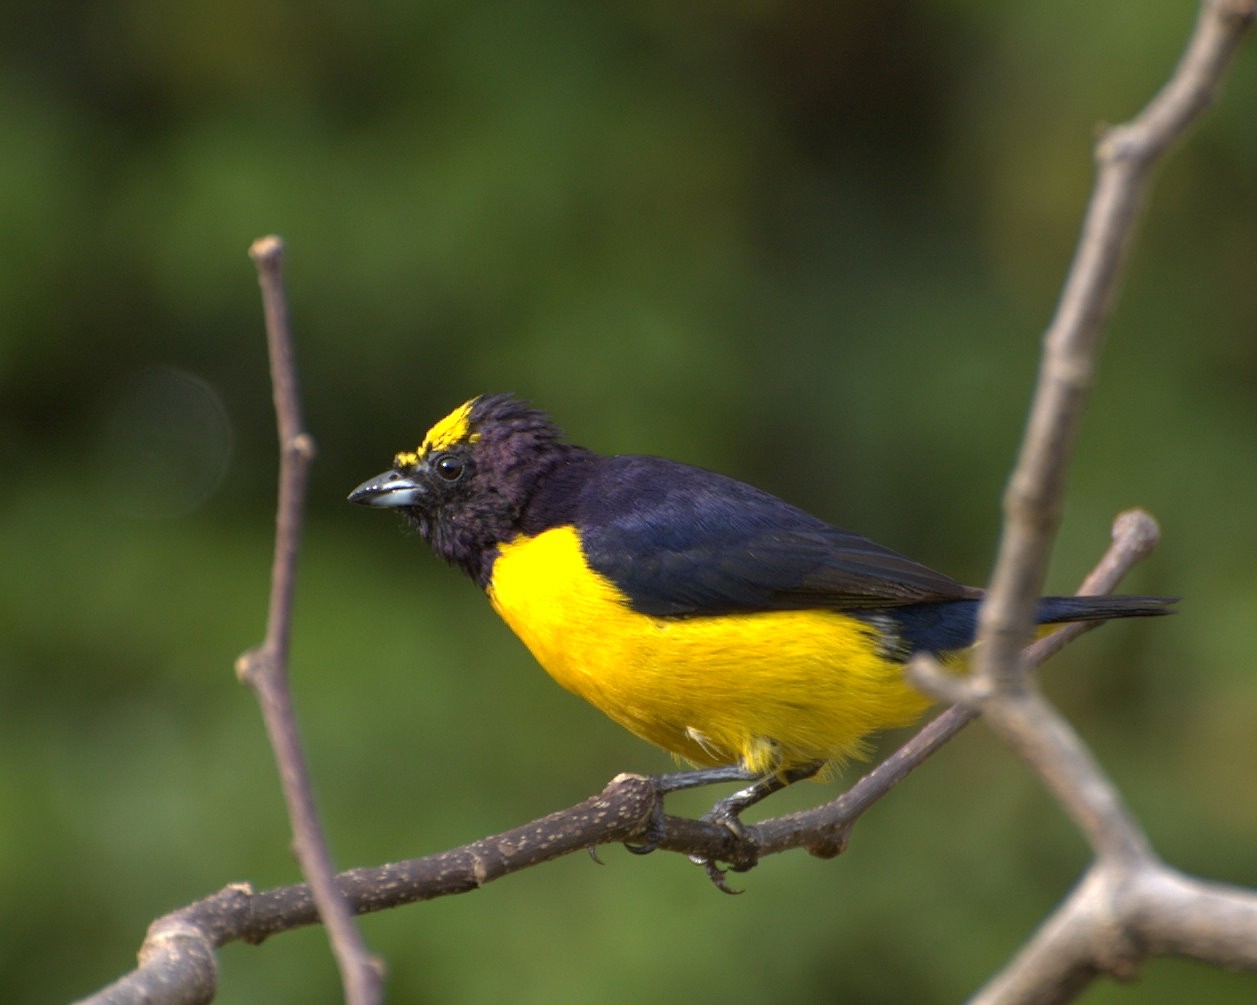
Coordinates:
(707,616)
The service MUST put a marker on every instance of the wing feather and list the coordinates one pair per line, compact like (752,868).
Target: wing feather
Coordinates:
(682,541)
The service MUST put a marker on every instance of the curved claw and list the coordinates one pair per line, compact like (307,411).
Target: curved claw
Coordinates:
(725,814)
(717,876)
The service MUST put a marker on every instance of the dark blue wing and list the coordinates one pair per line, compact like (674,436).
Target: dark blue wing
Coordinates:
(681,541)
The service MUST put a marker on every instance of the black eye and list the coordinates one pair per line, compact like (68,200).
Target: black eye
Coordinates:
(449,467)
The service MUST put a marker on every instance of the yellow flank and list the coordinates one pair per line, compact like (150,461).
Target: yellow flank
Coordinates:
(771,690)
(449,432)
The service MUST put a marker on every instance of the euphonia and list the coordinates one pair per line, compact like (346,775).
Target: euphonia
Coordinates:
(703,614)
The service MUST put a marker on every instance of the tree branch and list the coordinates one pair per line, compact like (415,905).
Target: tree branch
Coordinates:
(1114,919)
(1032,504)
(265,668)
(1013,706)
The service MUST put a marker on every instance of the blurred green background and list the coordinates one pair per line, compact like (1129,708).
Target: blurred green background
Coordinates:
(810,245)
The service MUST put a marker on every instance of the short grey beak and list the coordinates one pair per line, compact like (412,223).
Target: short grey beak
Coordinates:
(389,490)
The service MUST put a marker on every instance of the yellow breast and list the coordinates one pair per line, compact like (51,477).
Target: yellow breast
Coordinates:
(772,689)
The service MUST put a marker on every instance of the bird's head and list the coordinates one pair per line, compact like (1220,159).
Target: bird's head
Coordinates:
(466,484)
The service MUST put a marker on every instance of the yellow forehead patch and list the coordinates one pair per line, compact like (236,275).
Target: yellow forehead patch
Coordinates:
(449,432)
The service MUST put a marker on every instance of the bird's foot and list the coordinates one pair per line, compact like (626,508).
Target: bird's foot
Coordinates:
(676,782)
(727,813)
(654,832)
(744,852)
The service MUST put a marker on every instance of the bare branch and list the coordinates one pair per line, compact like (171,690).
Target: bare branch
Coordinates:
(1012,704)
(1117,917)
(1177,915)
(1135,534)
(1032,503)
(177,958)
(265,668)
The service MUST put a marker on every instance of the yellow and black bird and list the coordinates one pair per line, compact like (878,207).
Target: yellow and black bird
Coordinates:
(703,614)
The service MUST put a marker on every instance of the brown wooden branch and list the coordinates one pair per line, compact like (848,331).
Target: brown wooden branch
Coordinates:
(265,668)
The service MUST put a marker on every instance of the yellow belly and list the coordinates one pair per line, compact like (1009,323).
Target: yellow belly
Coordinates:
(771,690)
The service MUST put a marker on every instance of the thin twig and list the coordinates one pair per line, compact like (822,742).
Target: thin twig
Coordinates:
(265,668)
(1032,503)
(1013,706)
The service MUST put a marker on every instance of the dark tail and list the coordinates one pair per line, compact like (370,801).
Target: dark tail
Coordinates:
(950,626)
(1053,610)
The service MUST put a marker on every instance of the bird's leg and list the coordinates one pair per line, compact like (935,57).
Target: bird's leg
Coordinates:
(676,782)
(702,776)
(727,812)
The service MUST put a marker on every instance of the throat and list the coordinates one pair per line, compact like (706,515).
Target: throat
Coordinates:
(461,544)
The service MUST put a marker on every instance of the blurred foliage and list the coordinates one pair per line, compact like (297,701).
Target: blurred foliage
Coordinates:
(811,245)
